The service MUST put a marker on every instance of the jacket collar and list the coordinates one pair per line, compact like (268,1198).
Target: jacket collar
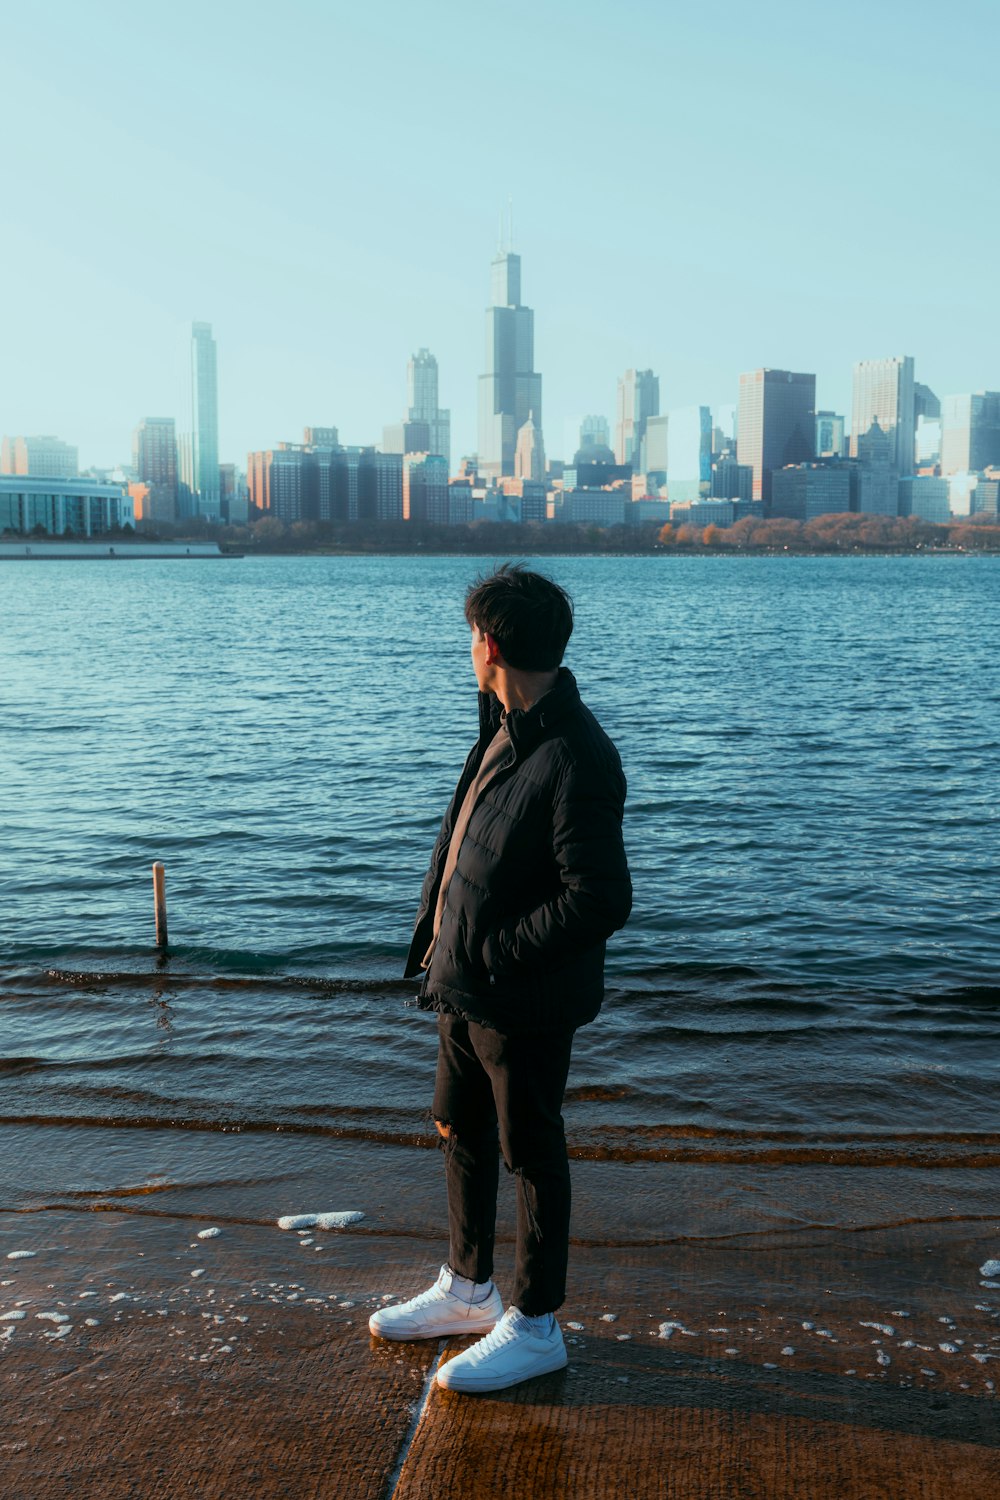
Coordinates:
(527,726)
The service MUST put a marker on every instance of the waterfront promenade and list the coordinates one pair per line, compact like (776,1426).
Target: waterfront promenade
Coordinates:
(241,1366)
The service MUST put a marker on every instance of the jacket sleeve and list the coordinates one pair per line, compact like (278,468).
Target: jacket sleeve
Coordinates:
(595,892)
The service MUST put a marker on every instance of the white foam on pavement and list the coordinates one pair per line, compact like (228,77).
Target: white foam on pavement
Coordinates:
(335,1220)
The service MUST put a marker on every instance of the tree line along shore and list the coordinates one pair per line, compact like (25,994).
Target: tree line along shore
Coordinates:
(823,535)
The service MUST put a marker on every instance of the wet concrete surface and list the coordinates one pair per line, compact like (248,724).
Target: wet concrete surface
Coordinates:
(137,1360)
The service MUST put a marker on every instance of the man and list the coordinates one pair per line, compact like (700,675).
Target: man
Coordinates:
(527,880)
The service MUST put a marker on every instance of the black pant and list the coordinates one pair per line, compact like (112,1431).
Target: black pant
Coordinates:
(501,1090)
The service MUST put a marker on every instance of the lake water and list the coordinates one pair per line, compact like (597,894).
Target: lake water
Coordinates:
(810,973)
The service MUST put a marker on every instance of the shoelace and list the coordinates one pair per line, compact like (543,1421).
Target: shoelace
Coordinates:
(505,1332)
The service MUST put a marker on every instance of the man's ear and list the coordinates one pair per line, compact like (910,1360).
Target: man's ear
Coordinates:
(492,650)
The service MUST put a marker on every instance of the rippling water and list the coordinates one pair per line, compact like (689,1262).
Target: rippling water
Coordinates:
(812,747)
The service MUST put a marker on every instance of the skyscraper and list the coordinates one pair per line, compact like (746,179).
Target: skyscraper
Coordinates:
(422,395)
(775,424)
(204,421)
(529,455)
(883,393)
(689,453)
(638,400)
(970,432)
(511,389)
(154,452)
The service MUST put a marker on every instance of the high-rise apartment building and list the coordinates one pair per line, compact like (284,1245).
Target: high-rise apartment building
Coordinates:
(775,424)
(511,389)
(42,457)
(204,421)
(154,459)
(884,393)
(638,400)
(970,432)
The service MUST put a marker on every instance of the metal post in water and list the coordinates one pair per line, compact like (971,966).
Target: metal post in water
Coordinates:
(160,901)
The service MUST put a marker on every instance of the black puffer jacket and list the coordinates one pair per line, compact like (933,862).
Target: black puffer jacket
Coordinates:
(541,880)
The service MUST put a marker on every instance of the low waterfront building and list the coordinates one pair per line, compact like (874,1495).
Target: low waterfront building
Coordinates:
(925,496)
(83,507)
(702,512)
(804,491)
(593,507)
(644,510)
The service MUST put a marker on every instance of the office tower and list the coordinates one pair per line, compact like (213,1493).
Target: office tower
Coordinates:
(511,389)
(595,433)
(874,478)
(204,421)
(883,393)
(731,480)
(776,424)
(654,455)
(928,441)
(44,457)
(422,402)
(425,489)
(689,457)
(925,403)
(529,455)
(830,435)
(321,437)
(638,400)
(970,432)
(187,505)
(407,437)
(724,430)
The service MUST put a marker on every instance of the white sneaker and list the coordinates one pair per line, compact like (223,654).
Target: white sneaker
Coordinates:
(436,1313)
(511,1353)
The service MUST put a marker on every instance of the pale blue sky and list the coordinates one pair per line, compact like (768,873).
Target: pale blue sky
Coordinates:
(697,188)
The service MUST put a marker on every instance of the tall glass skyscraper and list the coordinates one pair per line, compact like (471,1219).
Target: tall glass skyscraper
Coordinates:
(775,424)
(510,391)
(204,421)
(883,393)
(422,391)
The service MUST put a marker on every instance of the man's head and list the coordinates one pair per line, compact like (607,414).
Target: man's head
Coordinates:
(527,616)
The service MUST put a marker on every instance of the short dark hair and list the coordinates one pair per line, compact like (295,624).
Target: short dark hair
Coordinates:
(529,616)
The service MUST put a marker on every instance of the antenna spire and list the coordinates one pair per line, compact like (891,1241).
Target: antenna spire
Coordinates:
(510,224)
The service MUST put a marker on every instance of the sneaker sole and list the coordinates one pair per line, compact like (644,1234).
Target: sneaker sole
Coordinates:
(468,1384)
(442,1331)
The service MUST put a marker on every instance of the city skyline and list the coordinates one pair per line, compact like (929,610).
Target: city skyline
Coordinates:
(739,230)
